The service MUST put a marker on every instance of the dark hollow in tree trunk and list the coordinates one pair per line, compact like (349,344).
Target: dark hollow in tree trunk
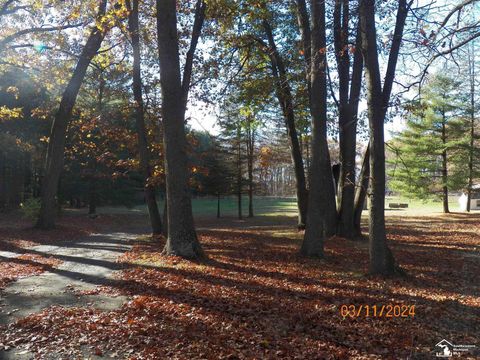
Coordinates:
(149,191)
(56,144)
(182,239)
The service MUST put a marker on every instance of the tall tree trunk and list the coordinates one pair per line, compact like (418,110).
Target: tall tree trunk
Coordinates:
(446,210)
(330,211)
(92,197)
(149,190)
(239,172)
(322,192)
(471,68)
(182,238)
(381,258)
(250,149)
(306,33)
(361,193)
(165,216)
(348,110)
(284,96)
(56,144)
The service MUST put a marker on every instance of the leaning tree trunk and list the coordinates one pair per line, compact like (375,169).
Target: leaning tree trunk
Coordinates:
(182,238)
(361,193)
(149,190)
(322,192)
(285,98)
(56,144)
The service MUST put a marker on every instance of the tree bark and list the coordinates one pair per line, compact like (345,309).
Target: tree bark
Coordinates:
(92,197)
(250,149)
(285,99)
(330,211)
(361,193)
(446,210)
(165,216)
(149,190)
(239,172)
(381,258)
(471,66)
(305,31)
(322,192)
(348,110)
(92,201)
(56,145)
(182,239)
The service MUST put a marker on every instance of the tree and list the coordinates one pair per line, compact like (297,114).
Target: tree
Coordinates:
(473,150)
(56,145)
(149,190)
(321,199)
(349,87)
(284,95)
(250,137)
(213,174)
(361,192)
(321,179)
(235,145)
(431,150)
(182,239)
(378,97)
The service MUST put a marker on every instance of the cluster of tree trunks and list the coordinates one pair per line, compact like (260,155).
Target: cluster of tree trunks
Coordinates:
(326,214)
(378,97)
(323,217)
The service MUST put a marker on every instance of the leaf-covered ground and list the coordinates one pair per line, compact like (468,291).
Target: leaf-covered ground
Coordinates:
(256,298)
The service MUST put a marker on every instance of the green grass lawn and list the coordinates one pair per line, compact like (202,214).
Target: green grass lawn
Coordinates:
(266,206)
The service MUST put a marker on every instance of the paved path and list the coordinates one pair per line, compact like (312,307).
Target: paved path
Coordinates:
(87,262)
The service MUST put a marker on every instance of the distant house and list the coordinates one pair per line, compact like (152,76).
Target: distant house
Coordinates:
(474,200)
